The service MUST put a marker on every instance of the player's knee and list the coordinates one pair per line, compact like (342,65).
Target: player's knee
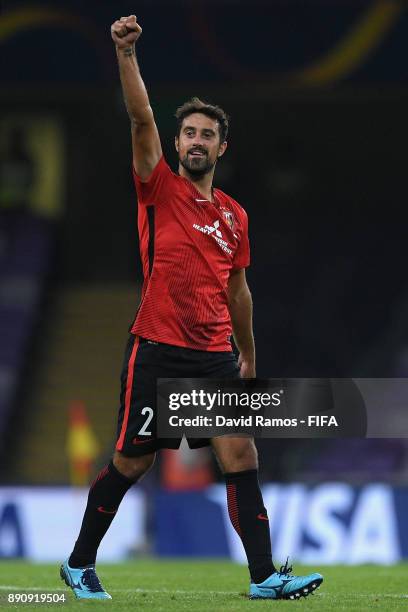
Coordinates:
(244,458)
(133,467)
(238,456)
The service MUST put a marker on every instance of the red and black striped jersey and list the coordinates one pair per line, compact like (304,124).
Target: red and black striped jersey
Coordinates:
(188,247)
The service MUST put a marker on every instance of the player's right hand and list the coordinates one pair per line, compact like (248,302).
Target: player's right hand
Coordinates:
(125,31)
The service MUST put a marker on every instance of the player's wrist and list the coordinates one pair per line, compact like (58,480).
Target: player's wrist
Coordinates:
(249,358)
(126,51)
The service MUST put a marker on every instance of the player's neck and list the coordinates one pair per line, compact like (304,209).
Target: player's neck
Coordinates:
(202,184)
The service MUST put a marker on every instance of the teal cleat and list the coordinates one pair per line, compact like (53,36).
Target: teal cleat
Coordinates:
(282,585)
(83,581)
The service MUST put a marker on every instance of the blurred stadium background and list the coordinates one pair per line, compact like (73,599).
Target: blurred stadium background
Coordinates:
(317,92)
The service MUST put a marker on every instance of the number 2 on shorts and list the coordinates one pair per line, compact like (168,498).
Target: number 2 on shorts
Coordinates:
(143,431)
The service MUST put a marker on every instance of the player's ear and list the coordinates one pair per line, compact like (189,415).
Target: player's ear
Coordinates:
(176,143)
(223,148)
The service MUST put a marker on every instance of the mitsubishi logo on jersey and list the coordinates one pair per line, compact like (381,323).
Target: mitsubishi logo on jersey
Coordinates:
(212,230)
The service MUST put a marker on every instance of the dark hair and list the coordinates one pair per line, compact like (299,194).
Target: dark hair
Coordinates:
(195,105)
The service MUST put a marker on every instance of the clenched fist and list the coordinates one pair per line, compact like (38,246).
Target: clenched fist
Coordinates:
(125,31)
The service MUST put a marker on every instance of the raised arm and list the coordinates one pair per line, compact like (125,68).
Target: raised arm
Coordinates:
(240,309)
(146,145)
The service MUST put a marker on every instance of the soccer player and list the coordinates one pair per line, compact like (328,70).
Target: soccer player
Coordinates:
(194,249)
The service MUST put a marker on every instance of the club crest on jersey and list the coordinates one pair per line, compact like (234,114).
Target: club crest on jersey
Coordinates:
(214,231)
(229,217)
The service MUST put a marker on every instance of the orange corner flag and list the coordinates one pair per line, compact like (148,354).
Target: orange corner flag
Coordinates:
(82,445)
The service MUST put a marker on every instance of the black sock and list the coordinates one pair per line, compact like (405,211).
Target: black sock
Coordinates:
(249,519)
(105,495)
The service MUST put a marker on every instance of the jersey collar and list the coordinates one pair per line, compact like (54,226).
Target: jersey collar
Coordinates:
(199,198)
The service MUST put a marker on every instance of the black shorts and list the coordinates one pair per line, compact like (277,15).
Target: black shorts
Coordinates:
(145,362)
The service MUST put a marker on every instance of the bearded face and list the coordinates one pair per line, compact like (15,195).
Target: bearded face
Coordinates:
(197,161)
(198,144)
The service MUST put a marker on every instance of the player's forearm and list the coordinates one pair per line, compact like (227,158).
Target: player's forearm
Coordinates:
(134,90)
(240,309)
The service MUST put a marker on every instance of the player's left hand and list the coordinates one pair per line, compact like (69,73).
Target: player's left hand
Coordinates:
(247,367)
(125,31)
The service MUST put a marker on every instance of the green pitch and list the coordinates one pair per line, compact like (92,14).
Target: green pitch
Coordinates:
(211,586)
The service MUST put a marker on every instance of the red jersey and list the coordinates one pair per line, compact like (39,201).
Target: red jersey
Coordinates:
(188,247)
